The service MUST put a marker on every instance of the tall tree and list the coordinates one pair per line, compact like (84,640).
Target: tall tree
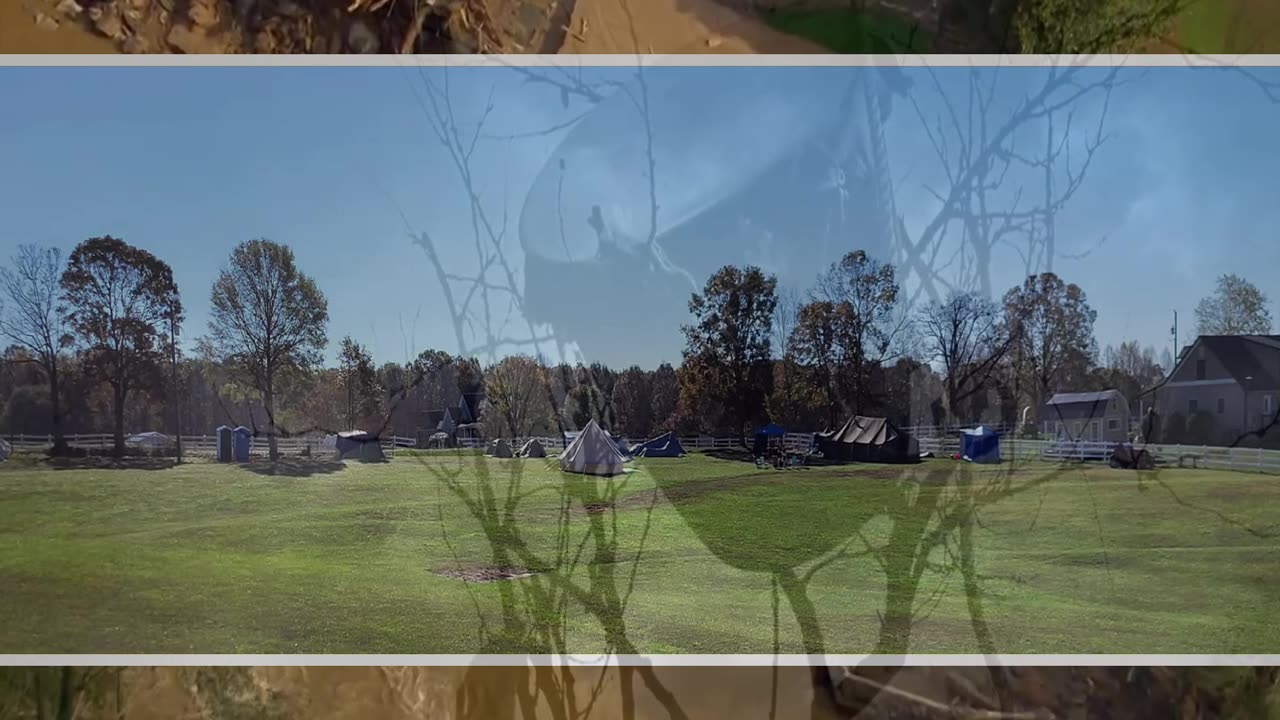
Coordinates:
(1052,326)
(1236,307)
(820,345)
(730,338)
(584,402)
(516,390)
(267,317)
(632,403)
(119,298)
(30,316)
(665,395)
(359,380)
(966,336)
(871,324)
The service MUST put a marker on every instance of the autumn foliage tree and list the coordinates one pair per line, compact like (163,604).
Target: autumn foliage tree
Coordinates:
(516,389)
(119,298)
(729,341)
(1052,326)
(267,318)
(1236,307)
(359,381)
(632,403)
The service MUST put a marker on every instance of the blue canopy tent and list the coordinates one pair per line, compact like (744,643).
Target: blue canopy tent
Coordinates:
(763,436)
(980,445)
(665,445)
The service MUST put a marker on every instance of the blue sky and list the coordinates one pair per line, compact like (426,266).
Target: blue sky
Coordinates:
(187,162)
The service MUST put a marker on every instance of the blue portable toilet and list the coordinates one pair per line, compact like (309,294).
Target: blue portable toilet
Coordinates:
(243,442)
(980,445)
(223,435)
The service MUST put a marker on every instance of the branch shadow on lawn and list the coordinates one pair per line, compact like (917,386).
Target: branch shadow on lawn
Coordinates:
(294,467)
(107,463)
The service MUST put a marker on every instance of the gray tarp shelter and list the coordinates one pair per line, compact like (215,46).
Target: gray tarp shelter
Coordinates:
(869,439)
(665,445)
(500,448)
(358,445)
(593,452)
(533,449)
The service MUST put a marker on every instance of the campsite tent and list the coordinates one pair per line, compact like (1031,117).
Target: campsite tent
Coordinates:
(593,452)
(533,449)
(499,448)
(5,449)
(358,445)
(665,445)
(869,439)
(980,445)
(765,435)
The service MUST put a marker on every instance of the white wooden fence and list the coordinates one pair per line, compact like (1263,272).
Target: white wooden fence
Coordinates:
(197,444)
(1204,456)
(1220,458)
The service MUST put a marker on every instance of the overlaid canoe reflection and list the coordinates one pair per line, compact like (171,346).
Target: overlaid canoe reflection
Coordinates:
(613,693)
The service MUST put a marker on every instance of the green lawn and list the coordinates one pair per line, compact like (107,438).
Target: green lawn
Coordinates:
(334,559)
(850,31)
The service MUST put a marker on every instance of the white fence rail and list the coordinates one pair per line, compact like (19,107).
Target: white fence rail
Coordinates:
(195,444)
(1203,456)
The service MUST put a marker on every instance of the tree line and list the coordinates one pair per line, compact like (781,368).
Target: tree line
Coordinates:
(94,346)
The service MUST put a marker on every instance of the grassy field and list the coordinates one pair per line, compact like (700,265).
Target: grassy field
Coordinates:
(676,556)
(851,31)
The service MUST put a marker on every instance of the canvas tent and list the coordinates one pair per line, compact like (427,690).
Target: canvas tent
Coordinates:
(665,445)
(593,452)
(533,449)
(869,439)
(358,445)
(499,448)
(980,445)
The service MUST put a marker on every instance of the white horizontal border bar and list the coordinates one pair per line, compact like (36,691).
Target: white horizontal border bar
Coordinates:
(647,660)
(631,60)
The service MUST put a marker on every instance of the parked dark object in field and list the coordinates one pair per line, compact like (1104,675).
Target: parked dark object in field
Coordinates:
(1126,456)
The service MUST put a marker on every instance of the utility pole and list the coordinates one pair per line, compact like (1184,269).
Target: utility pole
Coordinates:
(1174,331)
(177,393)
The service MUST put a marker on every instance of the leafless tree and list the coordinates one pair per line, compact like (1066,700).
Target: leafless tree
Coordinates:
(966,335)
(29,316)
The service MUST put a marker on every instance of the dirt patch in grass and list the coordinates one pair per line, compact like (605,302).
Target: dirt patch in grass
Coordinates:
(485,573)
(596,508)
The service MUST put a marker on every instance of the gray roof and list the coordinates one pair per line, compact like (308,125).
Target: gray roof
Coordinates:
(1084,397)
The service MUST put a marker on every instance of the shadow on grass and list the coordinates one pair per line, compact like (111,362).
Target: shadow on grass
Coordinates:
(107,463)
(294,467)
